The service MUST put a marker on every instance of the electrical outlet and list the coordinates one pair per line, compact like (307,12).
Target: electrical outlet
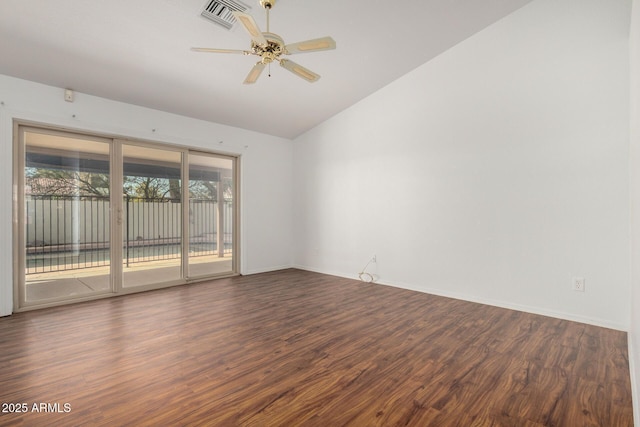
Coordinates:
(578,284)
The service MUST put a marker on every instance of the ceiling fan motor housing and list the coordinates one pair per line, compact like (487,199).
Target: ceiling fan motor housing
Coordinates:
(272,50)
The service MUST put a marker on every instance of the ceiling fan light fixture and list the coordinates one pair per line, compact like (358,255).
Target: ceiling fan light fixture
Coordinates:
(270,47)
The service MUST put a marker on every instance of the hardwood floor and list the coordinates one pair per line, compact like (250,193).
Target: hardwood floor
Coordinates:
(298,348)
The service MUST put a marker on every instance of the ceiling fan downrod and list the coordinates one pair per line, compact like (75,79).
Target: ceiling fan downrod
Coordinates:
(267,5)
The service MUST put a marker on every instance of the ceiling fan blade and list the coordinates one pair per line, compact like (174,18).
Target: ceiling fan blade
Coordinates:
(212,50)
(252,28)
(299,70)
(253,75)
(324,43)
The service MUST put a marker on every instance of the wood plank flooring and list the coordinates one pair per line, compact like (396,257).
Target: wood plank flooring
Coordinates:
(294,348)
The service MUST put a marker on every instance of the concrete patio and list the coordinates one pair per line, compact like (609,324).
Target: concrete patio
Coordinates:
(85,281)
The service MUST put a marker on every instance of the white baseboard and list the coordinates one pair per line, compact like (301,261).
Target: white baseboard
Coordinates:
(513,306)
(266,270)
(321,271)
(487,301)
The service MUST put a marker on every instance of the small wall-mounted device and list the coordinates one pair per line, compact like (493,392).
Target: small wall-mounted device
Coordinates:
(68,95)
(577,284)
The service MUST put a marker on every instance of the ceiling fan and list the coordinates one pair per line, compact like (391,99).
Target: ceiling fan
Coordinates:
(270,47)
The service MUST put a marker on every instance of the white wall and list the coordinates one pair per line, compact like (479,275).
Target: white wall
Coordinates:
(634,333)
(504,161)
(266,209)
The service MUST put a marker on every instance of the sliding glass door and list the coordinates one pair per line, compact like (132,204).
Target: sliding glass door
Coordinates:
(171,221)
(152,215)
(66,210)
(211,196)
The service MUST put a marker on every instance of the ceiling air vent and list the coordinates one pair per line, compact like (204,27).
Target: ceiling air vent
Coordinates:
(219,11)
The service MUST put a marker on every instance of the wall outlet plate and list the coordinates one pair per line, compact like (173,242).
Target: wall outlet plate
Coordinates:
(577,284)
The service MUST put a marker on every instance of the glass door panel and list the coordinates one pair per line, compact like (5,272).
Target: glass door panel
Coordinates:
(171,220)
(66,211)
(211,226)
(152,216)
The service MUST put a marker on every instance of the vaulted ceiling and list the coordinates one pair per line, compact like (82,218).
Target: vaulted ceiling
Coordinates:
(138,52)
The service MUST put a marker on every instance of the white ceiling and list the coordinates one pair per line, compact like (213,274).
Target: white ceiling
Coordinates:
(138,52)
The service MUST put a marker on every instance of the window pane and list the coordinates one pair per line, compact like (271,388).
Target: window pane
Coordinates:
(67,214)
(152,212)
(211,202)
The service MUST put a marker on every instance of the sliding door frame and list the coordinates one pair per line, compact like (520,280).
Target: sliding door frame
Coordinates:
(19,221)
(116,218)
(116,213)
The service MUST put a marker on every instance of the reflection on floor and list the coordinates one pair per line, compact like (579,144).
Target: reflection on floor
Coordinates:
(72,283)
